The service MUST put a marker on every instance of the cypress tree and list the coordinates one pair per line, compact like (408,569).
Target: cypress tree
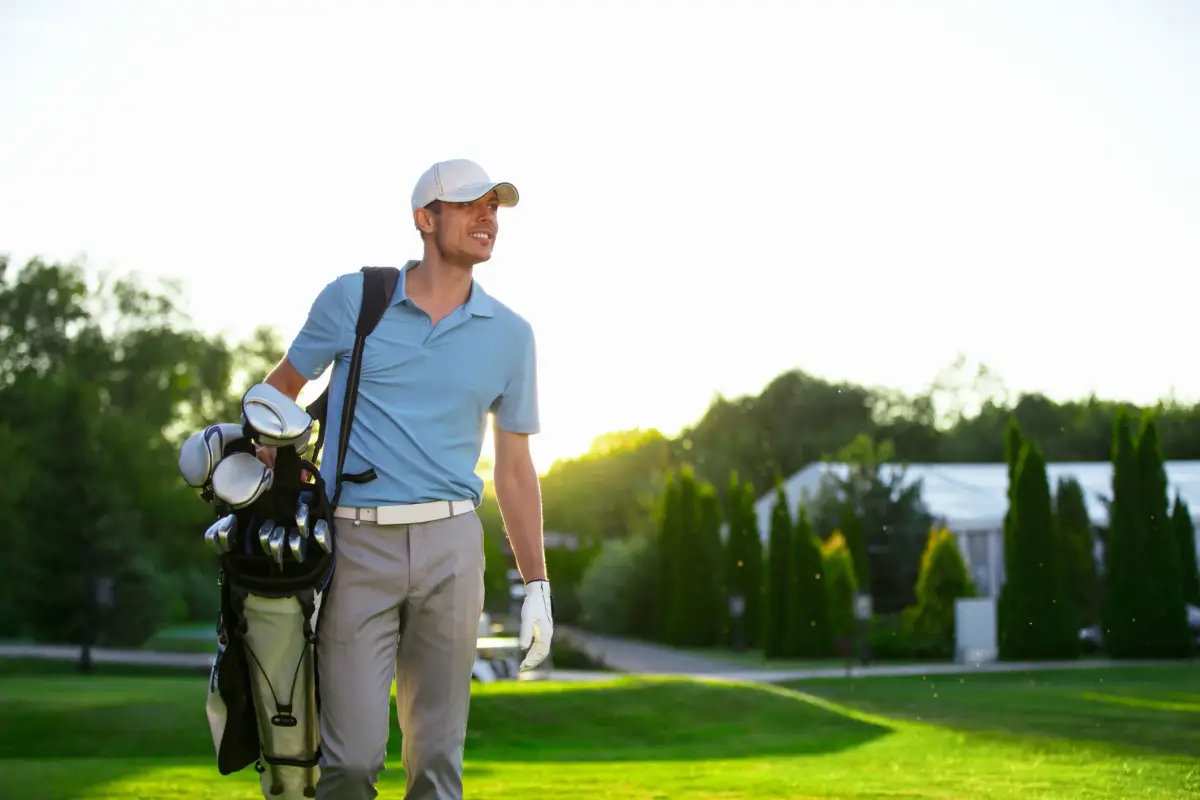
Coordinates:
(1163,618)
(744,563)
(851,529)
(943,579)
(841,585)
(809,633)
(1013,442)
(1124,551)
(682,587)
(1185,536)
(778,569)
(1073,531)
(668,562)
(1038,619)
(709,610)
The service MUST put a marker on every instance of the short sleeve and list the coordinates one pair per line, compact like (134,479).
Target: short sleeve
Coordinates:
(517,409)
(322,337)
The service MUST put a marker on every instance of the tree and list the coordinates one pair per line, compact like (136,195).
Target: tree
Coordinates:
(842,586)
(744,563)
(1124,556)
(1037,623)
(776,616)
(1162,621)
(809,633)
(707,604)
(668,546)
(1073,531)
(944,578)
(1185,535)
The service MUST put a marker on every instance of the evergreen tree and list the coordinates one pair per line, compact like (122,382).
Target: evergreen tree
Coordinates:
(666,555)
(709,607)
(809,633)
(841,585)
(682,587)
(744,560)
(778,569)
(1185,536)
(1013,442)
(944,578)
(1163,619)
(1073,531)
(856,543)
(1124,550)
(1038,622)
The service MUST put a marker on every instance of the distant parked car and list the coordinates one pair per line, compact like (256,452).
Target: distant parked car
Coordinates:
(1093,638)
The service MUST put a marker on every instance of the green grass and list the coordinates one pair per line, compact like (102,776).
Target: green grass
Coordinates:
(1121,734)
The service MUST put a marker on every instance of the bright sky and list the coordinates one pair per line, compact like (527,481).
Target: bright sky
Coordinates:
(712,193)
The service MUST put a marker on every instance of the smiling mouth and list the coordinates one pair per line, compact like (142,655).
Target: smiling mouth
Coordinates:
(482,237)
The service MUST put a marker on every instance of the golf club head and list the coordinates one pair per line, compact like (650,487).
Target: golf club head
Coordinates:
(297,545)
(320,534)
(277,542)
(276,418)
(203,450)
(241,479)
(264,535)
(302,519)
(225,530)
(210,538)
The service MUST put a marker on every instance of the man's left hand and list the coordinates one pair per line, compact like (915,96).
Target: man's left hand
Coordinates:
(537,624)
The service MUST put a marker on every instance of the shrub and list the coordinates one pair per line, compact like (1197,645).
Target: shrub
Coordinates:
(809,633)
(841,585)
(943,578)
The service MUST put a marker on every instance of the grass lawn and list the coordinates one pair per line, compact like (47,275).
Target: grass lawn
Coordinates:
(1121,734)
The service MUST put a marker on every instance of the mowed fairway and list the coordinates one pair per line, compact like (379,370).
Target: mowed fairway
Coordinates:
(1126,734)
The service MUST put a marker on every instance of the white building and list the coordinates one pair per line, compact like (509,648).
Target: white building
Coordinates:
(972,499)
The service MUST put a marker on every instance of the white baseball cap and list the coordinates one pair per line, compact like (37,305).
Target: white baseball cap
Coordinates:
(459,181)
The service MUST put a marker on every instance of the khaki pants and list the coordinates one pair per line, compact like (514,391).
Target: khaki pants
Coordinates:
(404,602)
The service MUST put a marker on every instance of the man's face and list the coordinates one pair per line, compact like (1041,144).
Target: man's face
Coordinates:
(465,233)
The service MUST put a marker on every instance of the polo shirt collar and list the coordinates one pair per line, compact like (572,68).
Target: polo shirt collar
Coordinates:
(479,304)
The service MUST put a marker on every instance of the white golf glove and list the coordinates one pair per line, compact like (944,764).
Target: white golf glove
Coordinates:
(537,624)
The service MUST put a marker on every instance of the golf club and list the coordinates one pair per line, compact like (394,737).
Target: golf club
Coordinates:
(321,534)
(226,526)
(276,418)
(298,545)
(264,535)
(277,543)
(302,519)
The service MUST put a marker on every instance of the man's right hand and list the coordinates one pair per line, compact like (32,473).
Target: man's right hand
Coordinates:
(265,454)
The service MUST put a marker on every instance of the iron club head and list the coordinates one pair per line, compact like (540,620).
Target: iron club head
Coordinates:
(225,528)
(320,534)
(302,519)
(210,538)
(264,536)
(276,543)
(298,545)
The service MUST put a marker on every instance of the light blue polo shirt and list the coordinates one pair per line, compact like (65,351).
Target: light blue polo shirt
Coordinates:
(424,394)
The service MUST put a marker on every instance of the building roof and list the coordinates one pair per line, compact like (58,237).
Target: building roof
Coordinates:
(975,496)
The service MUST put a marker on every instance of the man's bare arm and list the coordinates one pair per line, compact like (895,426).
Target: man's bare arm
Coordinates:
(518,493)
(286,379)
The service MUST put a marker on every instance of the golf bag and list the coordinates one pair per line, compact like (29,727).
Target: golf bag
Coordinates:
(275,537)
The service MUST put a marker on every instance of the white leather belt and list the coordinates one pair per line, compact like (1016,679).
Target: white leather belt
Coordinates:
(406,514)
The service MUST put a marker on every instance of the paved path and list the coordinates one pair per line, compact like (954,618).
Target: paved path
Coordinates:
(643,658)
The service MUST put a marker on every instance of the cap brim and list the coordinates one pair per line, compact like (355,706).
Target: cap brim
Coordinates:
(505,192)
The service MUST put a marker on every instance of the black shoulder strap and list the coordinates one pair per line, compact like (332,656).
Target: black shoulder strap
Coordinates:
(379,284)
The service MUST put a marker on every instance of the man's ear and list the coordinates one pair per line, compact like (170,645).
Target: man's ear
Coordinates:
(423,219)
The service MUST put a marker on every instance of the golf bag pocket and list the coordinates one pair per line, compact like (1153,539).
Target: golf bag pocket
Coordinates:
(230,710)
(283,683)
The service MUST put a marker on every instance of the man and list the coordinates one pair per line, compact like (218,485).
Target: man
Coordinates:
(407,591)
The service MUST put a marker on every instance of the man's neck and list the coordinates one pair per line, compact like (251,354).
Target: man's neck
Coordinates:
(437,284)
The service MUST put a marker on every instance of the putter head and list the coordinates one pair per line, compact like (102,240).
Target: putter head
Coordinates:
(203,450)
(276,543)
(264,535)
(302,519)
(276,419)
(320,534)
(297,546)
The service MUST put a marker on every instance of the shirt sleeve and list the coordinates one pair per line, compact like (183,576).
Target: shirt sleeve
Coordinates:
(516,409)
(322,338)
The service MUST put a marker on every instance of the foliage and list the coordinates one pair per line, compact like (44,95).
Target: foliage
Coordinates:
(1038,622)
(1073,532)
(1124,555)
(776,617)
(841,585)
(809,632)
(744,557)
(707,596)
(886,506)
(495,575)
(618,591)
(1185,536)
(1162,619)
(944,578)
(103,379)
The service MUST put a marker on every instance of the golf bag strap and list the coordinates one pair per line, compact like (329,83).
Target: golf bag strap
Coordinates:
(379,284)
